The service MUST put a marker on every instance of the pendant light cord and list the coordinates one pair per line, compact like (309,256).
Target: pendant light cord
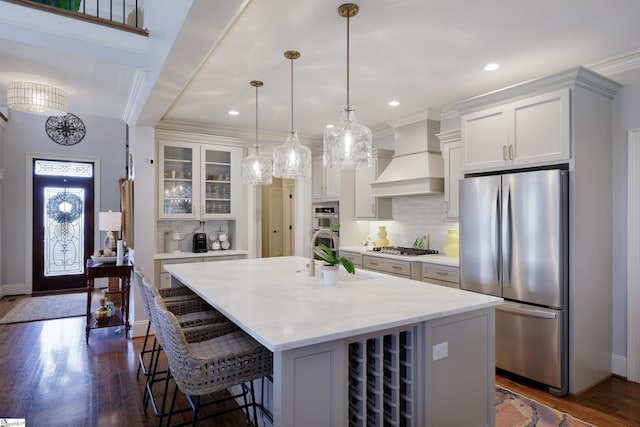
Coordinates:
(348,21)
(292,94)
(257,145)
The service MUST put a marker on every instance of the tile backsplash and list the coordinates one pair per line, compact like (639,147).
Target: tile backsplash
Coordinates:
(415,216)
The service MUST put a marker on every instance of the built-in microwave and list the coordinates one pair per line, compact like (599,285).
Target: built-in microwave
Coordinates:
(325,214)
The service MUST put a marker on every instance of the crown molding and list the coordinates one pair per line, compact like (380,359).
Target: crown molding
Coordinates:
(617,64)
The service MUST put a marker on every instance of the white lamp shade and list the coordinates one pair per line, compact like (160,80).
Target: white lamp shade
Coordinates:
(37,98)
(109,221)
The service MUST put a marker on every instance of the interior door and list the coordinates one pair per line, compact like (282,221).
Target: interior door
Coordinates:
(62,224)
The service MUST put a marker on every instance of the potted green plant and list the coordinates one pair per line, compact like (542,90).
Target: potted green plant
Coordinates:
(331,263)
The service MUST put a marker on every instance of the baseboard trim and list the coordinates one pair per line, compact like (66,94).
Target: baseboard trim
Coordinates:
(17,289)
(619,365)
(139,328)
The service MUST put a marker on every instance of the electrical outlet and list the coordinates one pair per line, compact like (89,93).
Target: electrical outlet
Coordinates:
(440,351)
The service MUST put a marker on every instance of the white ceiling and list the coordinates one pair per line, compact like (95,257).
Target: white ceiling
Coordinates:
(426,54)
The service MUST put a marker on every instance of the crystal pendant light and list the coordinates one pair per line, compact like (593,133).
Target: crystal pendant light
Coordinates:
(256,168)
(348,145)
(292,160)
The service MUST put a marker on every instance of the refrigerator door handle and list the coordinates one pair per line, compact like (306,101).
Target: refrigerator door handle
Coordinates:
(506,236)
(527,311)
(495,234)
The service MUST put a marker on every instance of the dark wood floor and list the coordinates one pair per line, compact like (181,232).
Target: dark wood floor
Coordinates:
(50,376)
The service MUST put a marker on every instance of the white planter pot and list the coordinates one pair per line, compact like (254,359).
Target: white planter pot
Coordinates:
(330,274)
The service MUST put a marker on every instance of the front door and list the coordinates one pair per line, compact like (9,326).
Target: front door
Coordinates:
(62,223)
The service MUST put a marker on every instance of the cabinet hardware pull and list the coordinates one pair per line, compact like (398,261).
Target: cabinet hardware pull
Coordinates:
(510,151)
(373,263)
(446,206)
(396,267)
(442,273)
(504,153)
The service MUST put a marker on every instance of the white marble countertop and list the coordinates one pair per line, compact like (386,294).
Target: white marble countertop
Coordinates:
(174,255)
(435,259)
(281,306)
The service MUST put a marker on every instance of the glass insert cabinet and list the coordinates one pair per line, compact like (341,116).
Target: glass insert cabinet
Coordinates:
(198,180)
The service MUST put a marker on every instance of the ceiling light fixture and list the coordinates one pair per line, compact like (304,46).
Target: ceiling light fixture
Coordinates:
(292,160)
(348,145)
(394,103)
(256,168)
(491,67)
(37,98)
(233,113)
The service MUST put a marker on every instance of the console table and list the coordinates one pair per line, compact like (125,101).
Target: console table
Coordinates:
(121,271)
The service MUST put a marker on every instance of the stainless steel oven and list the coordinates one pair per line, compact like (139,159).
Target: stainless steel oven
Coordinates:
(324,216)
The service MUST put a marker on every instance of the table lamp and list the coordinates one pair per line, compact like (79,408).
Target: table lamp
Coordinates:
(109,222)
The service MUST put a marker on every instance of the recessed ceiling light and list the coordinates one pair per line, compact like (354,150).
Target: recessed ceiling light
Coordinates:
(233,113)
(329,126)
(394,103)
(491,67)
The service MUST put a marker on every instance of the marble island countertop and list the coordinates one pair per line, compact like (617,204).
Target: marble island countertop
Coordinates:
(435,259)
(282,307)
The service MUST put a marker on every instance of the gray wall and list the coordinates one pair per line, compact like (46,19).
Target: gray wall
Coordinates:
(626,116)
(24,133)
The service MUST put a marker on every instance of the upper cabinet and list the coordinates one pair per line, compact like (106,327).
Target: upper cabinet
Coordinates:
(451,148)
(368,207)
(325,181)
(198,180)
(528,132)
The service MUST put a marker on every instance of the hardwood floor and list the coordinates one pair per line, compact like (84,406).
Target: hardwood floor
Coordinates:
(50,376)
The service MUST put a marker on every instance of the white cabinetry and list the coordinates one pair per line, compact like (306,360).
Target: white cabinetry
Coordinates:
(441,275)
(451,148)
(355,257)
(198,180)
(163,278)
(368,207)
(528,132)
(325,181)
(389,266)
(564,119)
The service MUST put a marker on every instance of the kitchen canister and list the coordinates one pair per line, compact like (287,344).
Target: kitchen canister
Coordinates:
(452,247)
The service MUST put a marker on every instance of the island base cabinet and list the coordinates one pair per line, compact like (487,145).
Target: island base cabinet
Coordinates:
(460,370)
(309,387)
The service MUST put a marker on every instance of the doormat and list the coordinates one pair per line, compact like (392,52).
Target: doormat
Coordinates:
(48,307)
(514,410)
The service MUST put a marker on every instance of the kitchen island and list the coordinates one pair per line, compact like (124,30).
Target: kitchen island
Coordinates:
(373,348)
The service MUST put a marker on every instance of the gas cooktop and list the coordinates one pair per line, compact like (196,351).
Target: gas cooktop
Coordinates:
(399,250)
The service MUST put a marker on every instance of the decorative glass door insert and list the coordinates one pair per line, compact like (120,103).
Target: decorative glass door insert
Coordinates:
(63,231)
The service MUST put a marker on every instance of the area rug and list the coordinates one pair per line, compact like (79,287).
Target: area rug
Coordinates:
(514,410)
(47,307)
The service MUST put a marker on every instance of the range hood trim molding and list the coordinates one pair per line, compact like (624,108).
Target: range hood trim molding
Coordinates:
(412,187)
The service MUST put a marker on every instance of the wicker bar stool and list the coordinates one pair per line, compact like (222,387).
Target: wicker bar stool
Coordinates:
(192,313)
(171,295)
(206,366)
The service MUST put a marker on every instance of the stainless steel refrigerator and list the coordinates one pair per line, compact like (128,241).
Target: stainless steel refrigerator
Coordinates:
(513,244)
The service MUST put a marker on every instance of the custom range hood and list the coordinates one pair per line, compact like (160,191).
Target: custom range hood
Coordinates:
(417,167)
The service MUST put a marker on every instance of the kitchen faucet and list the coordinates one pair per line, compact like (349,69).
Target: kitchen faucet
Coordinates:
(334,238)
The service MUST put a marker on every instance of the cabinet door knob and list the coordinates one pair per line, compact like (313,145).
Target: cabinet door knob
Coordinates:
(510,151)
